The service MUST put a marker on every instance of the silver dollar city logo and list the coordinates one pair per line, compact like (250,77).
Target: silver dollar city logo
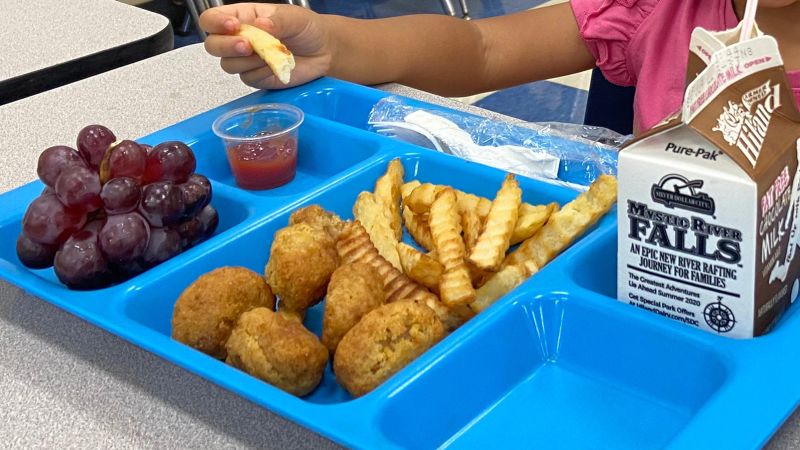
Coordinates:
(676,191)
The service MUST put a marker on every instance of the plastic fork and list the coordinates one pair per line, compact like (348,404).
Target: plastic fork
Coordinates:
(412,134)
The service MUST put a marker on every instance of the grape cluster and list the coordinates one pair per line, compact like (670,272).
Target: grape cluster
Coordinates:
(111,210)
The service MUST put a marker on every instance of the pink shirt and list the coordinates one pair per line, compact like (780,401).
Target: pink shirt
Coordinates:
(645,43)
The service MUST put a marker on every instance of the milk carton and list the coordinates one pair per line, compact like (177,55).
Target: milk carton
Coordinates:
(709,201)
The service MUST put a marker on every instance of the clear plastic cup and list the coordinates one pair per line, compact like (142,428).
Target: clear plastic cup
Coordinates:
(261,143)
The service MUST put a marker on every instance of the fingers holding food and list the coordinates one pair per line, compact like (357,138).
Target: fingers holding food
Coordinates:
(494,241)
(278,350)
(279,59)
(455,285)
(207,310)
(384,341)
(301,261)
(354,290)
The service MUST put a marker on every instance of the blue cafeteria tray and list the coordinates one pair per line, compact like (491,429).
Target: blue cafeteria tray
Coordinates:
(556,363)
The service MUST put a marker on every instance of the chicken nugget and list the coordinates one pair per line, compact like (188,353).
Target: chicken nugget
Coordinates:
(278,350)
(318,217)
(207,310)
(355,289)
(301,261)
(384,341)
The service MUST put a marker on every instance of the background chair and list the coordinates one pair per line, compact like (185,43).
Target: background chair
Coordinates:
(609,105)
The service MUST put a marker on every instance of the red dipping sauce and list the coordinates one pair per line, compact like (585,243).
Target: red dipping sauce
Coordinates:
(264,164)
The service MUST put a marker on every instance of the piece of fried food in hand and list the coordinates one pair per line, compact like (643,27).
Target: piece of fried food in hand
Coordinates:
(278,350)
(455,285)
(500,283)
(490,250)
(373,215)
(387,192)
(355,289)
(301,261)
(354,245)
(383,342)
(279,59)
(317,217)
(420,267)
(531,219)
(207,310)
(565,225)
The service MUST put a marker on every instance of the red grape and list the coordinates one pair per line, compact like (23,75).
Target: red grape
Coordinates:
(196,194)
(33,254)
(169,161)
(93,141)
(198,228)
(164,244)
(146,147)
(126,159)
(124,237)
(120,195)
(48,221)
(80,264)
(79,187)
(56,159)
(162,204)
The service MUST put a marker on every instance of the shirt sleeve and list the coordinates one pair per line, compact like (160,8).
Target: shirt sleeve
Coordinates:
(607,27)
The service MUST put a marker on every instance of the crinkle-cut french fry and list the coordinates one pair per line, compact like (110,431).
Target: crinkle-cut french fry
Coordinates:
(354,245)
(535,215)
(407,188)
(422,197)
(472,202)
(387,192)
(531,219)
(565,225)
(490,250)
(418,228)
(372,214)
(500,283)
(420,267)
(478,276)
(472,226)
(455,286)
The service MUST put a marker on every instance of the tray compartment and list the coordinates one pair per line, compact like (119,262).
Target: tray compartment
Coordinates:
(344,104)
(553,371)
(323,152)
(151,305)
(231,208)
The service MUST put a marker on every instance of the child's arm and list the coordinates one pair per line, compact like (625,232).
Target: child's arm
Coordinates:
(439,54)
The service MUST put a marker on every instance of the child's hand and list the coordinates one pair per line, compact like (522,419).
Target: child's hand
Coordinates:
(299,29)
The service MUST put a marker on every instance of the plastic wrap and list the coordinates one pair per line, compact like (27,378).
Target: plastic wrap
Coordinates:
(570,154)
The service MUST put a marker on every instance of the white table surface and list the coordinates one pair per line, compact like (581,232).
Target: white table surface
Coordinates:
(37,34)
(67,384)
